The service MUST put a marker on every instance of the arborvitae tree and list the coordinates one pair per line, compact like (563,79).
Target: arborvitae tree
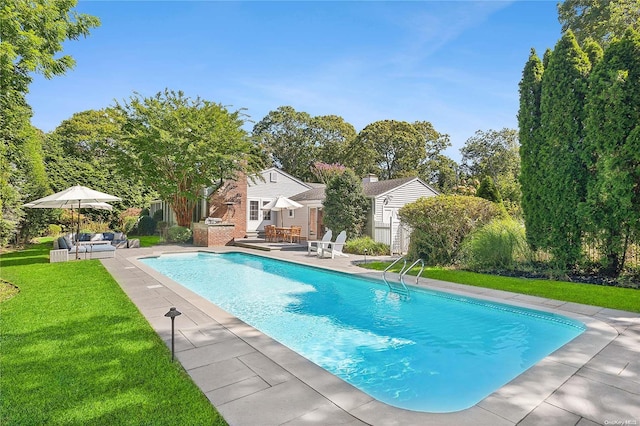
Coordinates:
(345,205)
(488,190)
(564,87)
(532,166)
(612,210)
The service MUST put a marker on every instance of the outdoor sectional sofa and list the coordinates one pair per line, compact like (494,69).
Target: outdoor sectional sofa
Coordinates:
(90,246)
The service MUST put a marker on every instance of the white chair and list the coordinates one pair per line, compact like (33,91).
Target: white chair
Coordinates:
(315,244)
(333,247)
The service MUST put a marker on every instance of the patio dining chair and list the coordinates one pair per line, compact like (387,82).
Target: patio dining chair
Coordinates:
(270,232)
(295,233)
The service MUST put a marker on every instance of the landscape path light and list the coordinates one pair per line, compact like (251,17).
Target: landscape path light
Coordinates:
(173,313)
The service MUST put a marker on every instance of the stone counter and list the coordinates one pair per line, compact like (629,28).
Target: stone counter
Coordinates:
(219,234)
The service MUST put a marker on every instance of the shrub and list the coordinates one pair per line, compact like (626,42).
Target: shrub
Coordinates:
(158,215)
(178,234)
(358,246)
(129,224)
(500,245)
(146,225)
(54,230)
(488,190)
(441,223)
(93,227)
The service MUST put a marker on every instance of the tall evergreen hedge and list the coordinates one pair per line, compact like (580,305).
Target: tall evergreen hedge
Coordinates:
(612,208)
(530,158)
(580,150)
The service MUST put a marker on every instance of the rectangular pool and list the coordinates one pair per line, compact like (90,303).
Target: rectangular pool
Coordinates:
(435,352)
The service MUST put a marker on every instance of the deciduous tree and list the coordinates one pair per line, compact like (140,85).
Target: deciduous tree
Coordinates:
(600,20)
(393,149)
(495,154)
(178,146)
(31,36)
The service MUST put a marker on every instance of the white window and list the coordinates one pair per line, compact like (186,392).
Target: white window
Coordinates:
(253,210)
(291,213)
(273,177)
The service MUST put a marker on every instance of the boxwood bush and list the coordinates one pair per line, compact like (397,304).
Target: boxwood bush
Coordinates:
(441,223)
(178,234)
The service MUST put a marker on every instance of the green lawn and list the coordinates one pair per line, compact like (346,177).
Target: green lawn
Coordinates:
(626,299)
(76,351)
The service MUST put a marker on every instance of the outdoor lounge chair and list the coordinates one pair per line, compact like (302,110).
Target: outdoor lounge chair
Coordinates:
(65,249)
(313,245)
(333,247)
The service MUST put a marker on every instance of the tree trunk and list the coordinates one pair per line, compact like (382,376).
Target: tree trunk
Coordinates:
(183,208)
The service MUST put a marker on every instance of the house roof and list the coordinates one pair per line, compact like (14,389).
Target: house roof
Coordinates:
(316,193)
(371,189)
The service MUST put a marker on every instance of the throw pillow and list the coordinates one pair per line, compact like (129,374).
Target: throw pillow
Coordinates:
(62,243)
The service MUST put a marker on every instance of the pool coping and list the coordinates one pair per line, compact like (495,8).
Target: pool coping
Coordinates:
(223,342)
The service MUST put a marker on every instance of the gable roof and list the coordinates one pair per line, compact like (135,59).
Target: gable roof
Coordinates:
(281,172)
(373,189)
(370,189)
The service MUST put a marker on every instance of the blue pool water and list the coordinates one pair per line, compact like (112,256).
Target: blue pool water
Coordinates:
(435,352)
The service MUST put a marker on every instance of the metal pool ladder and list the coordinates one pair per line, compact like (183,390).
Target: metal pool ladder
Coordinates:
(400,287)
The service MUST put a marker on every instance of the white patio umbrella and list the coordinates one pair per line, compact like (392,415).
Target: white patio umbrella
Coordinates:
(281,203)
(76,196)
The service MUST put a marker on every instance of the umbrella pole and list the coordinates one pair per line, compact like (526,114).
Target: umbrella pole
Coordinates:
(78,233)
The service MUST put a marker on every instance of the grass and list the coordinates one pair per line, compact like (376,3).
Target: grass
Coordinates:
(76,351)
(147,240)
(626,299)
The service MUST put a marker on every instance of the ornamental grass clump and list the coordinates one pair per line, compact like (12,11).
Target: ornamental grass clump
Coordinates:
(501,245)
(359,245)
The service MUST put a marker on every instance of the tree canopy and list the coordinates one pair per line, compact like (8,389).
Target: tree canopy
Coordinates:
(392,149)
(599,20)
(177,146)
(77,153)
(495,154)
(32,34)
(295,140)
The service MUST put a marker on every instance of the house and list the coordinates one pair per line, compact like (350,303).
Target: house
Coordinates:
(239,203)
(386,197)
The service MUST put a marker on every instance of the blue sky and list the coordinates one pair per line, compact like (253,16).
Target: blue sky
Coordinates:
(456,64)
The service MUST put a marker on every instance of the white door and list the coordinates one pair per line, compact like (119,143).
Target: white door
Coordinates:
(258,218)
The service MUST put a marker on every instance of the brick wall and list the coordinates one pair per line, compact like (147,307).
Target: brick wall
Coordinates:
(230,204)
(212,235)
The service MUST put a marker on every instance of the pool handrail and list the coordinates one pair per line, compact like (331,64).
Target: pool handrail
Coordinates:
(403,273)
(395,288)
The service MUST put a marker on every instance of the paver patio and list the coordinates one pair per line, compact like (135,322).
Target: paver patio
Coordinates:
(253,380)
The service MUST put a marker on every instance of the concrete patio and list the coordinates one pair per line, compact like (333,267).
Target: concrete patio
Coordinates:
(253,380)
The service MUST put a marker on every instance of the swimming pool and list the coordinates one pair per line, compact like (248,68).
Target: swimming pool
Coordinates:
(435,352)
